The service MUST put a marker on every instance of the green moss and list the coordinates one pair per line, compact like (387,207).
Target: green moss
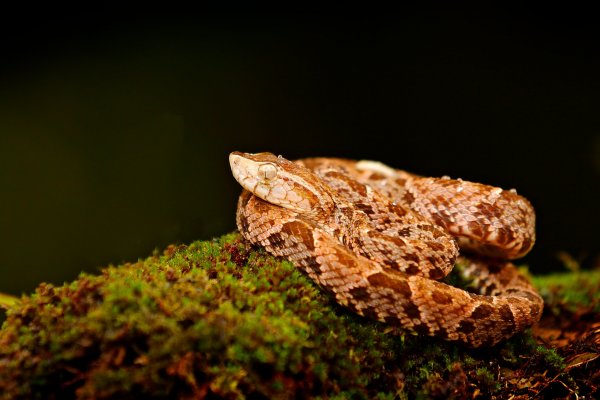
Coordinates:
(7,301)
(573,289)
(549,358)
(223,320)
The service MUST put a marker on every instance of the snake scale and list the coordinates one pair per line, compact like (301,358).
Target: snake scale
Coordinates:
(379,239)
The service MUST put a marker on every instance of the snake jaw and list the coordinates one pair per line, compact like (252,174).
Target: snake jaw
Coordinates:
(281,182)
(250,174)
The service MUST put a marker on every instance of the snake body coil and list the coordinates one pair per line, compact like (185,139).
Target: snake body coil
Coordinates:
(379,238)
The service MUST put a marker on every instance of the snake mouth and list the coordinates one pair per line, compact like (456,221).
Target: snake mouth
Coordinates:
(254,176)
(239,167)
(249,169)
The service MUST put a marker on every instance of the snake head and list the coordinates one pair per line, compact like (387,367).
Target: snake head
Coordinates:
(282,182)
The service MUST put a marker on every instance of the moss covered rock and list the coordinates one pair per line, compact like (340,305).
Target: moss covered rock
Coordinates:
(219,319)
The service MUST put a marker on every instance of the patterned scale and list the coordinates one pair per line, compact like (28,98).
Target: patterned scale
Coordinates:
(377,238)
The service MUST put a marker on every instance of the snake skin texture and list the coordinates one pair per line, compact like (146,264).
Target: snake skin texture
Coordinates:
(379,238)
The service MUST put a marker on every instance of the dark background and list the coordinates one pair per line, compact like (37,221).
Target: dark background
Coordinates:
(115,131)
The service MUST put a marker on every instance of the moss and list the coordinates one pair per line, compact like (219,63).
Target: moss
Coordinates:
(219,319)
(573,289)
(549,358)
(7,301)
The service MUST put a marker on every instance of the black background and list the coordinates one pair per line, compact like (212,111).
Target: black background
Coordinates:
(115,130)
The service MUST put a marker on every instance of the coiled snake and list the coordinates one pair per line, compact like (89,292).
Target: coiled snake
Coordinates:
(379,239)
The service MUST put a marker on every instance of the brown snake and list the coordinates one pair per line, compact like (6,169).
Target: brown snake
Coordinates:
(378,238)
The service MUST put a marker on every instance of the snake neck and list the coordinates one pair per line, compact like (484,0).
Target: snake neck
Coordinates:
(342,222)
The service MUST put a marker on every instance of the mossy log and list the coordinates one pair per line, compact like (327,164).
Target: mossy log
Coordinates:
(219,319)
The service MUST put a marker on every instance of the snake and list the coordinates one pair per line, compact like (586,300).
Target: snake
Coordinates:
(380,239)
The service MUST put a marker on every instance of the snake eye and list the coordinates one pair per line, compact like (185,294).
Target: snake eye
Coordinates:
(267,171)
